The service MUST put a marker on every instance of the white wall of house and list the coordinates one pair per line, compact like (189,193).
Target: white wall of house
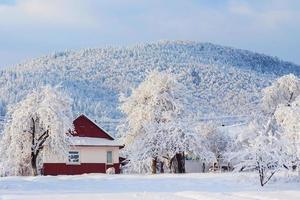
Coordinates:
(87,154)
(194,166)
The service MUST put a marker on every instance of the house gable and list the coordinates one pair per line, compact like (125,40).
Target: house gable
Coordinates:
(84,127)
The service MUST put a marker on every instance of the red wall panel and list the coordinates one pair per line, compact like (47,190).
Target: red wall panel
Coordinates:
(64,169)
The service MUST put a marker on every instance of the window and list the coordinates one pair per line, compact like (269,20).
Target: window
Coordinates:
(109,158)
(73,157)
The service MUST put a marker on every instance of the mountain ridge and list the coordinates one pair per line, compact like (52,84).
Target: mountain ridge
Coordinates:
(231,50)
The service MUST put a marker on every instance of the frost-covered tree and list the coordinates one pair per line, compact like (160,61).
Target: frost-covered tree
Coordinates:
(156,125)
(261,150)
(179,138)
(216,140)
(288,117)
(270,143)
(284,90)
(41,120)
(281,102)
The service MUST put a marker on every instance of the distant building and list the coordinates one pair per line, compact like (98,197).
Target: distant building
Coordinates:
(93,150)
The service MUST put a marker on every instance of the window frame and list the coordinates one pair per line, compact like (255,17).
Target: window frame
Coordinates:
(112,157)
(73,163)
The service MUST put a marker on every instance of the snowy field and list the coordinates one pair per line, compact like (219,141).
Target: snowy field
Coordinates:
(150,187)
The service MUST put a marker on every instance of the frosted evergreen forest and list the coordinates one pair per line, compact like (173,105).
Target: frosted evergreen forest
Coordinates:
(223,81)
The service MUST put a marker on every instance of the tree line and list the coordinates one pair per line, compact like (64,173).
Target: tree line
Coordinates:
(160,129)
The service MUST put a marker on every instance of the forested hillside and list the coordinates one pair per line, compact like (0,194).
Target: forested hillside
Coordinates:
(222,80)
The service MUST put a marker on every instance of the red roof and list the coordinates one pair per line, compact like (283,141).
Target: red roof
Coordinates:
(84,127)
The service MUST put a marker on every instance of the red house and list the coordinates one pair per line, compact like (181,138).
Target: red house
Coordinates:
(93,150)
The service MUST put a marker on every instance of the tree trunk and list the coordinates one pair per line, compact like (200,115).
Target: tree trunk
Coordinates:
(181,162)
(264,178)
(33,164)
(203,167)
(153,165)
(171,164)
(178,163)
(161,167)
(33,155)
(261,176)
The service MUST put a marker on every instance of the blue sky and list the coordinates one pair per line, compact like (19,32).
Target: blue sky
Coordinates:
(31,28)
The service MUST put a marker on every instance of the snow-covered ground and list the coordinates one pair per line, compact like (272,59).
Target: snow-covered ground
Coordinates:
(207,186)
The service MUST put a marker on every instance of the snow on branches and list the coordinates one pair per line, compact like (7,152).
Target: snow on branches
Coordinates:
(262,150)
(41,120)
(217,141)
(283,101)
(287,116)
(282,91)
(271,141)
(157,122)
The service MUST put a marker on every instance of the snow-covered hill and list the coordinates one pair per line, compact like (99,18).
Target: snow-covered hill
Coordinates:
(223,80)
